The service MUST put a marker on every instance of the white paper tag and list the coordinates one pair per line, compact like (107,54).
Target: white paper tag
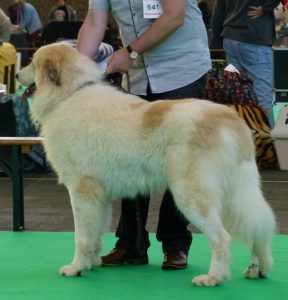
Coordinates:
(3,89)
(152,9)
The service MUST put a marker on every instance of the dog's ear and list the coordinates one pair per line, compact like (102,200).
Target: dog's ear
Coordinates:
(52,72)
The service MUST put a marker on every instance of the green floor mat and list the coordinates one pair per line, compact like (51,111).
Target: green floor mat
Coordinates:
(30,262)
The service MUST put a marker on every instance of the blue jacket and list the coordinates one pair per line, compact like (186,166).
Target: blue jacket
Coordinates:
(30,20)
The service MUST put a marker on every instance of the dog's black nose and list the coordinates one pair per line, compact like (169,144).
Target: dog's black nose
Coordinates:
(16,76)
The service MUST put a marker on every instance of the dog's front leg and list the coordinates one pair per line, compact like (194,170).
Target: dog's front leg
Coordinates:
(91,214)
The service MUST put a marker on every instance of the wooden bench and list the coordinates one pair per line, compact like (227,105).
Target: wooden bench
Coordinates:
(13,169)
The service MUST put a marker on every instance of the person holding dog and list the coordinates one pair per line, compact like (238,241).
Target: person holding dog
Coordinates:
(165,56)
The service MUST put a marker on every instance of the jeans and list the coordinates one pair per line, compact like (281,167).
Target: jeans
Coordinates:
(256,61)
(172,226)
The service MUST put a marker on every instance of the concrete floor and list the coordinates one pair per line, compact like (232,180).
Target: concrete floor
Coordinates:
(47,206)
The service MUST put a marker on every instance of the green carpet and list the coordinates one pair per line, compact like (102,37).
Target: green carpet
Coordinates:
(30,261)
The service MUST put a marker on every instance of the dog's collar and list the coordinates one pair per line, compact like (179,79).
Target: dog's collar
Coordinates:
(87,83)
(28,92)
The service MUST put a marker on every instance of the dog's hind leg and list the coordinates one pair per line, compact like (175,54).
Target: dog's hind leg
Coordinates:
(261,264)
(260,246)
(91,213)
(194,206)
(219,241)
(251,219)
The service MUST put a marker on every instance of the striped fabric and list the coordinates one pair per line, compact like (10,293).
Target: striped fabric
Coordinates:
(8,67)
(256,118)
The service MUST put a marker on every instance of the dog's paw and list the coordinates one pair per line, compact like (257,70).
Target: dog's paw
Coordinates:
(70,270)
(253,272)
(205,280)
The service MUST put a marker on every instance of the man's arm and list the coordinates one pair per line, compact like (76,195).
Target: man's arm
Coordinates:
(92,32)
(172,18)
(267,7)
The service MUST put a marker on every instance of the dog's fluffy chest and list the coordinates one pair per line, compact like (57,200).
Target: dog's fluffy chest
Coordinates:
(125,157)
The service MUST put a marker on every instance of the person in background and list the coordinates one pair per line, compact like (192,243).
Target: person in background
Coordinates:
(206,7)
(248,31)
(29,21)
(62,12)
(14,13)
(5,27)
(281,16)
(165,55)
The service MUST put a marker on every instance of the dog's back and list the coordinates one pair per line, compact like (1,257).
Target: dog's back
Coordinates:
(126,137)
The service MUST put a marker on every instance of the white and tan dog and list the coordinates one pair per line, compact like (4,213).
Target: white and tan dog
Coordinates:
(105,144)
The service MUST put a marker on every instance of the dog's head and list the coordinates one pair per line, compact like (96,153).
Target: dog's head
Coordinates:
(58,65)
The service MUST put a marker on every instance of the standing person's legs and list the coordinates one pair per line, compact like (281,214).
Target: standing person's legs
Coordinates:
(127,230)
(256,60)
(261,70)
(172,226)
(232,53)
(126,247)
(133,240)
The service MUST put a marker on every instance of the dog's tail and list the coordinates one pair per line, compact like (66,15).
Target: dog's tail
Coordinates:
(249,217)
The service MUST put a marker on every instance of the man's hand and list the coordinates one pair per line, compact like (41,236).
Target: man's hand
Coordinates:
(119,61)
(255,12)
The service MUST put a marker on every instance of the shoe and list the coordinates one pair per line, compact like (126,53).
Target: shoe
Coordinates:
(174,260)
(121,256)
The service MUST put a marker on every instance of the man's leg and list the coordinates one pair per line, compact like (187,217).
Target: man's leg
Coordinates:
(128,230)
(133,240)
(256,61)
(133,211)
(172,226)
(172,232)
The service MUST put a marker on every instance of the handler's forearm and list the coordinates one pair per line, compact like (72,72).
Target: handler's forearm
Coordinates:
(92,32)
(172,18)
